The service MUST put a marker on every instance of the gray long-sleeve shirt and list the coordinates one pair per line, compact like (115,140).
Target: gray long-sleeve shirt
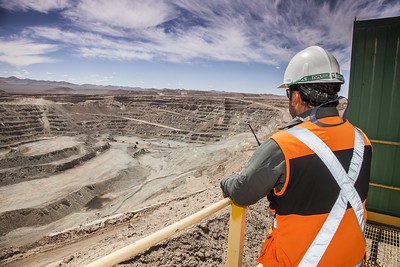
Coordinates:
(266,168)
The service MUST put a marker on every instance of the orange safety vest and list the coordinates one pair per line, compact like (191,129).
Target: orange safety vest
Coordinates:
(310,193)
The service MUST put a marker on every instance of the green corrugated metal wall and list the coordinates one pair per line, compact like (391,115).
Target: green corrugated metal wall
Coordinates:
(374,95)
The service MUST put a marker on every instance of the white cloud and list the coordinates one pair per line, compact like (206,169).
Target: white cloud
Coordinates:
(43,6)
(103,80)
(118,17)
(21,74)
(269,32)
(24,52)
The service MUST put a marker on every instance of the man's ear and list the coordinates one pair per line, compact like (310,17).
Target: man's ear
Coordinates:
(296,98)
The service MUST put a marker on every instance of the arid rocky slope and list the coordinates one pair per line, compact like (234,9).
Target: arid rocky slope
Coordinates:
(82,175)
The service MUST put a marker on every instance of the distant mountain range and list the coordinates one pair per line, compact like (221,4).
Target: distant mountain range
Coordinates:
(15,85)
(27,86)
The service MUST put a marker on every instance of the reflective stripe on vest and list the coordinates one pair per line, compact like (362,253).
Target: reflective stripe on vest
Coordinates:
(347,193)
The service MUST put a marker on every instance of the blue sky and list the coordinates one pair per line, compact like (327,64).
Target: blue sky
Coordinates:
(223,45)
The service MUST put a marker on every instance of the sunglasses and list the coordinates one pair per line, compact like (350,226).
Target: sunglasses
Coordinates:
(288,93)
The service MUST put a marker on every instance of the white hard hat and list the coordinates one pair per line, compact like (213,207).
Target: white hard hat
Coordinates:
(312,65)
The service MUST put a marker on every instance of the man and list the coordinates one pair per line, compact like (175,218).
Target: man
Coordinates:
(315,173)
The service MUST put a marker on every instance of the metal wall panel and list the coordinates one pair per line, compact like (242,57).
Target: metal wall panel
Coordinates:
(374,96)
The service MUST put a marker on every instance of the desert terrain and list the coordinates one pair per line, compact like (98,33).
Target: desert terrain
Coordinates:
(82,175)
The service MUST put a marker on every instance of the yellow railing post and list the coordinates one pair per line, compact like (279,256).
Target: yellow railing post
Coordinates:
(237,228)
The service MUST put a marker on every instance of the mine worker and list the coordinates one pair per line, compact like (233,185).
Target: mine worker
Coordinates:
(315,173)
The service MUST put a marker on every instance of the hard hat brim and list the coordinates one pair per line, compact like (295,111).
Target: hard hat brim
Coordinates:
(283,85)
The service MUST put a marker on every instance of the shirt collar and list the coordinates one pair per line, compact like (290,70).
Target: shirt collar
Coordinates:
(323,112)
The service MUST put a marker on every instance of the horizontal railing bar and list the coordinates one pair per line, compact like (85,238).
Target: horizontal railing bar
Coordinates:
(385,142)
(149,241)
(385,186)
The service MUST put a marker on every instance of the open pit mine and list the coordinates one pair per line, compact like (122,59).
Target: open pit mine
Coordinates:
(82,175)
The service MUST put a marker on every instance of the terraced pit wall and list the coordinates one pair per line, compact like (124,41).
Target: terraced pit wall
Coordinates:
(192,119)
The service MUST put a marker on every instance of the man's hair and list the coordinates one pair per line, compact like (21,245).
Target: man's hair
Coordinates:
(316,94)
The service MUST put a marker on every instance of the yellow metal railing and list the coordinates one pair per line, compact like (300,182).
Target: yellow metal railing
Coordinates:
(385,186)
(385,142)
(237,225)
(237,228)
